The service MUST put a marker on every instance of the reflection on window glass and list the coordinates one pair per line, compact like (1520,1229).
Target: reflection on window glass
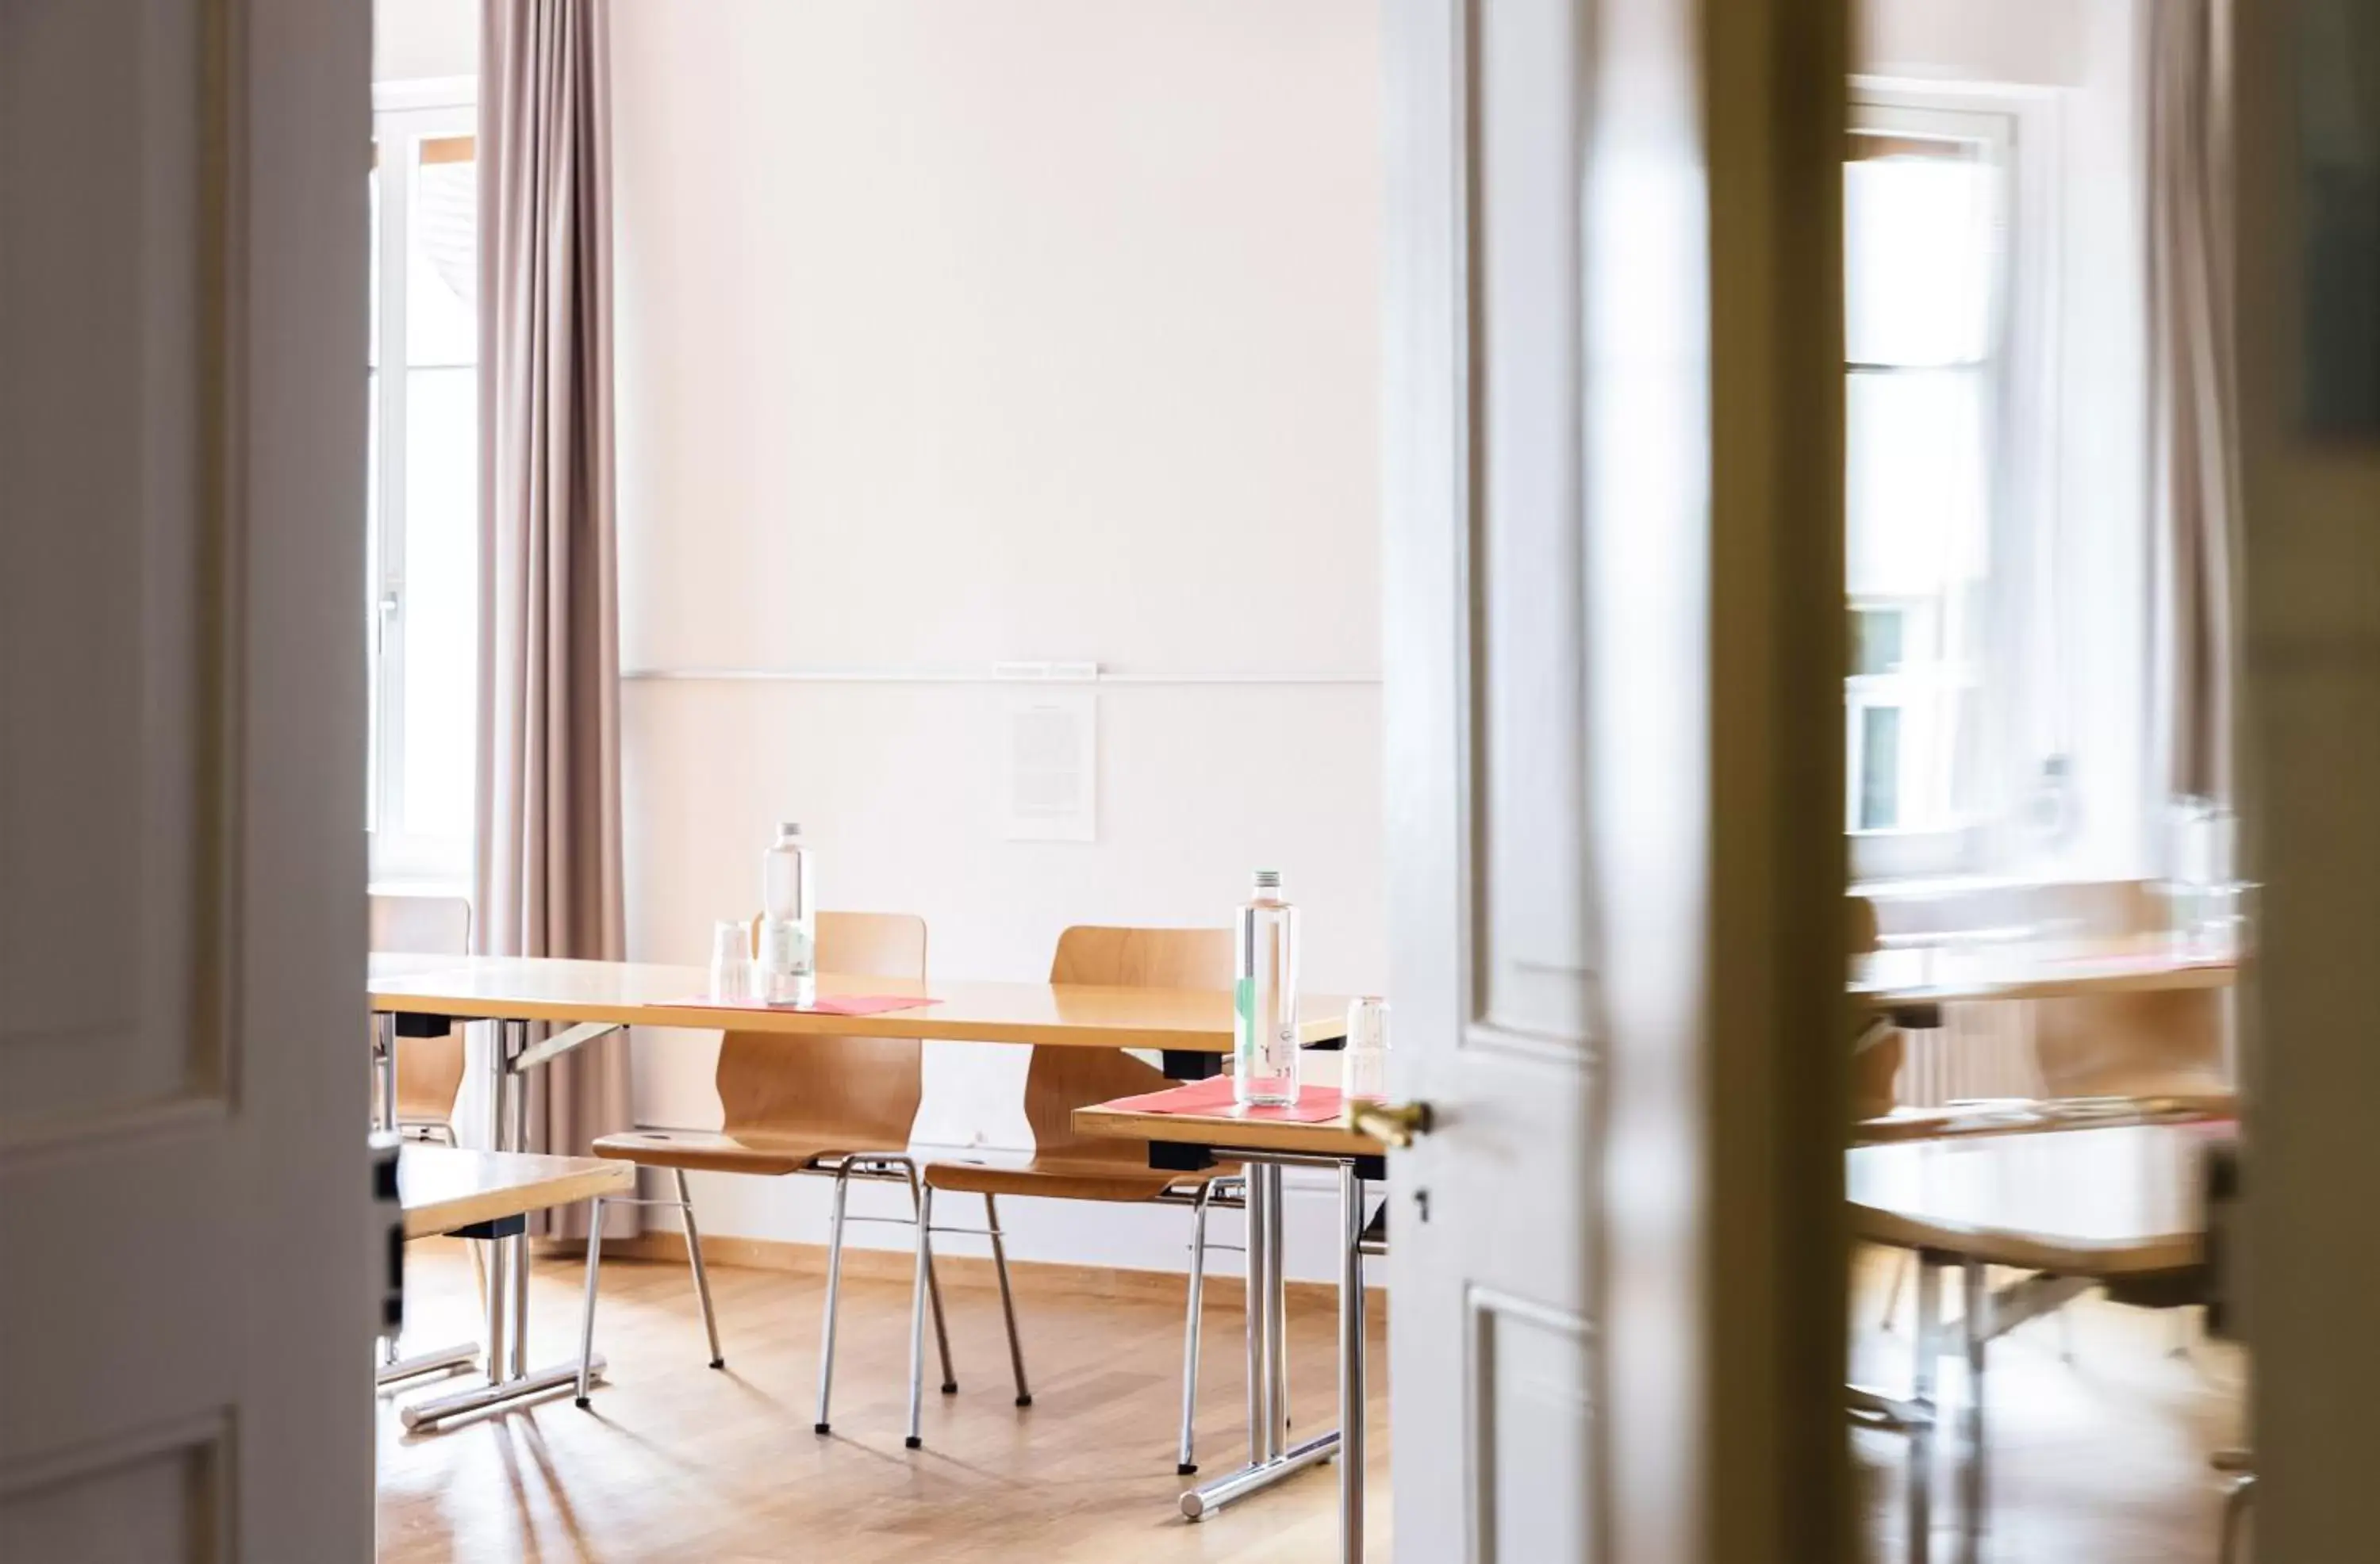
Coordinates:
(1915,495)
(424,450)
(1878,638)
(442,601)
(1918,251)
(1879,772)
(1924,271)
(441,265)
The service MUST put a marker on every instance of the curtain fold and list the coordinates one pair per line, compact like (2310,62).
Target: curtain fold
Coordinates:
(548,870)
(2192,402)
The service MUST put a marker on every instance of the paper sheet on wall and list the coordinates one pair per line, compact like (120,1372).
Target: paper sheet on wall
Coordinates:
(1052,765)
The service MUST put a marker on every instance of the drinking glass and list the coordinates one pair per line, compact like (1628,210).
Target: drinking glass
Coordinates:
(731,963)
(1365,1061)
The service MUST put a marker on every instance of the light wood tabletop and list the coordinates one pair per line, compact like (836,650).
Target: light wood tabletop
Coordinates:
(1227,1131)
(634,993)
(2094,1203)
(1968,1120)
(443,1187)
(2058,969)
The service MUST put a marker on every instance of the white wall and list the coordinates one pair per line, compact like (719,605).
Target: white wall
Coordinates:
(414,38)
(2093,606)
(951,334)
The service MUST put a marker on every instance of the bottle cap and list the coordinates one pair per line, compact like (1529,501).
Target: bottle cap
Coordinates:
(788,827)
(1267,879)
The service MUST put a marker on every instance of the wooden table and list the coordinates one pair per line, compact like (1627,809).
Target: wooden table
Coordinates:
(2122,1208)
(1192,1021)
(1182,1141)
(1968,1121)
(487,1195)
(444,1189)
(1916,978)
(426,996)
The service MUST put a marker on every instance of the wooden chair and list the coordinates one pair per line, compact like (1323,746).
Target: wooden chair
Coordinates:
(2161,1044)
(1880,1049)
(1065,1166)
(837,1107)
(429,1070)
(2167,1044)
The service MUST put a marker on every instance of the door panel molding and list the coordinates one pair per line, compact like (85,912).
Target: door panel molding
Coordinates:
(159,1492)
(1554,1445)
(119,998)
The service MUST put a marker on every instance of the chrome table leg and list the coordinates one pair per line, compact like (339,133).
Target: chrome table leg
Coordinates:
(515,1038)
(1977,1333)
(510,1381)
(1277,1309)
(1270,1455)
(1351,1366)
(444,1360)
(1920,1439)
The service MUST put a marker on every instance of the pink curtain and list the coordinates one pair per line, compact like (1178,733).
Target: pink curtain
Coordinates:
(2193,447)
(548,860)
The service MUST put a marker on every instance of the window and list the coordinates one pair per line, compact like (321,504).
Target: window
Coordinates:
(422,513)
(1927,268)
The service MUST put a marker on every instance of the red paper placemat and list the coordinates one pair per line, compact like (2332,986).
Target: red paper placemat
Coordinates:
(1314,1105)
(830,1005)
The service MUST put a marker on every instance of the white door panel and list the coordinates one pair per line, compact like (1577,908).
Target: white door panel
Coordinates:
(185,1262)
(1598,762)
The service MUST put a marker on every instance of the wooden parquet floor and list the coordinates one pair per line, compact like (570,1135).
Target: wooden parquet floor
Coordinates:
(2100,1461)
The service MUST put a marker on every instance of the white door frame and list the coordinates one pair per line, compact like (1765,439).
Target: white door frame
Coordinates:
(2307,738)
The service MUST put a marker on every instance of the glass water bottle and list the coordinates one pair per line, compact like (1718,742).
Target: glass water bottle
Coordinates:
(1264,1028)
(788,921)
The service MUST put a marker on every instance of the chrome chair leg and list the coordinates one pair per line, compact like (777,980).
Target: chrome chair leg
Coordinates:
(918,1287)
(1185,1462)
(2235,1516)
(587,1310)
(1901,1264)
(701,1276)
(833,1287)
(933,1279)
(1007,1301)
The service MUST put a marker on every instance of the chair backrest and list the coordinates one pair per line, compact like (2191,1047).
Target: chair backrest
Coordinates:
(1061,1079)
(2130,1045)
(429,1070)
(2156,1043)
(862,1092)
(420,926)
(1875,1070)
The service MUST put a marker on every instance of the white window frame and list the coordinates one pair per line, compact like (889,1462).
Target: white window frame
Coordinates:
(2021,713)
(402,113)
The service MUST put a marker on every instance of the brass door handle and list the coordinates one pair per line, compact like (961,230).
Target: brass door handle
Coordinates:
(1393,1124)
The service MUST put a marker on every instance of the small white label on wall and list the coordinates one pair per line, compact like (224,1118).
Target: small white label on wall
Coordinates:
(1053,783)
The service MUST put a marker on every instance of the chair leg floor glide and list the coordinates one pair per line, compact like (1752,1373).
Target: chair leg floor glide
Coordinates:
(587,1313)
(1007,1302)
(823,1424)
(1185,1462)
(918,1287)
(701,1276)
